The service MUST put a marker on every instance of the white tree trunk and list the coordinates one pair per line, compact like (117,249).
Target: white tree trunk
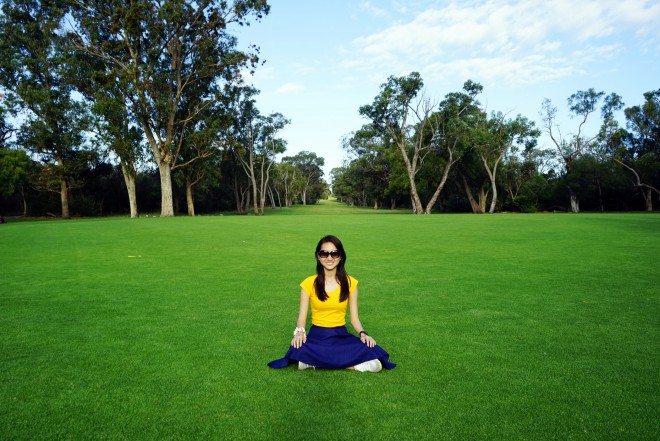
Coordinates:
(166,199)
(255,200)
(483,197)
(189,198)
(491,175)
(477,207)
(271,196)
(279,199)
(411,171)
(24,201)
(129,180)
(441,185)
(575,203)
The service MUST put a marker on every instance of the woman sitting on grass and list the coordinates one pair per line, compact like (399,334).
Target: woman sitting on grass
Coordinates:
(329,345)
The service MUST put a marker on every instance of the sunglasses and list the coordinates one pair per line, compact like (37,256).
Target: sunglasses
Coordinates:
(323,254)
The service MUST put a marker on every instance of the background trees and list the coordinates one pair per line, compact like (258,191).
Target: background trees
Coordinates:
(33,58)
(257,154)
(174,55)
(492,138)
(582,104)
(14,168)
(122,106)
(493,162)
(420,131)
(308,175)
(639,149)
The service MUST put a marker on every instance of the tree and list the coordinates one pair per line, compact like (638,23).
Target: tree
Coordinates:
(286,180)
(390,112)
(114,123)
(32,67)
(6,129)
(308,166)
(457,115)
(639,154)
(522,178)
(366,179)
(360,182)
(256,146)
(14,166)
(410,123)
(165,49)
(472,178)
(200,143)
(581,105)
(493,137)
(199,162)
(267,146)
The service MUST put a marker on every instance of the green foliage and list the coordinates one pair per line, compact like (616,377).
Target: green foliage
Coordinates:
(421,133)
(14,166)
(643,148)
(33,60)
(503,327)
(389,111)
(178,60)
(372,176)
(584,102)
(582,105)
(169,73)
(309,175)
(6,129)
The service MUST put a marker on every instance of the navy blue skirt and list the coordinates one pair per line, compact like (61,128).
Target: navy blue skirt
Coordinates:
(332,348)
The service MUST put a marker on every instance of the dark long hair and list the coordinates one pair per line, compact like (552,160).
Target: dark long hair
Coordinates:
(342,277)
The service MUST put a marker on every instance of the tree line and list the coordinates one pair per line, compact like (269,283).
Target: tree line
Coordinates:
(453,155)
(146,95)
(140,106)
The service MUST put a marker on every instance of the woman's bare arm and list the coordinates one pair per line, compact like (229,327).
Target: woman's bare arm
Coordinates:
(355,320)
(301,337)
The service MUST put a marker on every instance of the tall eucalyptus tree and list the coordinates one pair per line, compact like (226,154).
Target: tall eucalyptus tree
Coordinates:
(570,146)
(642,155)
(419,129)
(493,137)
(166,50)
(33,59)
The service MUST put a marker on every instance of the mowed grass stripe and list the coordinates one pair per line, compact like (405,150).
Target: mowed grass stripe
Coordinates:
(504,327)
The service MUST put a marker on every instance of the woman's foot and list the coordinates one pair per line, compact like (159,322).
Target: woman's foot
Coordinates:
(303,366)
(369,366)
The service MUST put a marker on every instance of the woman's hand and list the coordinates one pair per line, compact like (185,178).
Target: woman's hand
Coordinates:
(367,340)
(298,339)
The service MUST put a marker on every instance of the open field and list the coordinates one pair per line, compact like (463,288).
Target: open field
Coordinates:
(543,326)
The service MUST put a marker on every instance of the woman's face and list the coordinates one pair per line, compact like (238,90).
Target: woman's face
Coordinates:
(328,255)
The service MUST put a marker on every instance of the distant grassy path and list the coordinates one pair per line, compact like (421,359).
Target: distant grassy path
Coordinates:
(509,326)
(332,206)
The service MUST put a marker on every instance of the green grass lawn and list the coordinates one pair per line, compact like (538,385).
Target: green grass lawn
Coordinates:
(543,326)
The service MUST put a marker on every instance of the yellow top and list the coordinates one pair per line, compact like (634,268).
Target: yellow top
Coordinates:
(331,312)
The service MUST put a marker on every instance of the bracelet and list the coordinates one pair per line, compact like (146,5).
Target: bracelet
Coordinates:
(362,332)
(298,329)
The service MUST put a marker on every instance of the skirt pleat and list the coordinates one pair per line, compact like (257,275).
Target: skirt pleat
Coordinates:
(332,348)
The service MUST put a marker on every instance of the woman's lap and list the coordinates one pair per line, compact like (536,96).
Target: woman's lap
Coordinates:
(332,348)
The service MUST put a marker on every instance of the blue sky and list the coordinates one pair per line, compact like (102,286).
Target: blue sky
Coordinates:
(326,58)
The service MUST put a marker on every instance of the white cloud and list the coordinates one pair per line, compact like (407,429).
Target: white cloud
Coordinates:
(521,41)
(289,88)
(374,10)
(302,69)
